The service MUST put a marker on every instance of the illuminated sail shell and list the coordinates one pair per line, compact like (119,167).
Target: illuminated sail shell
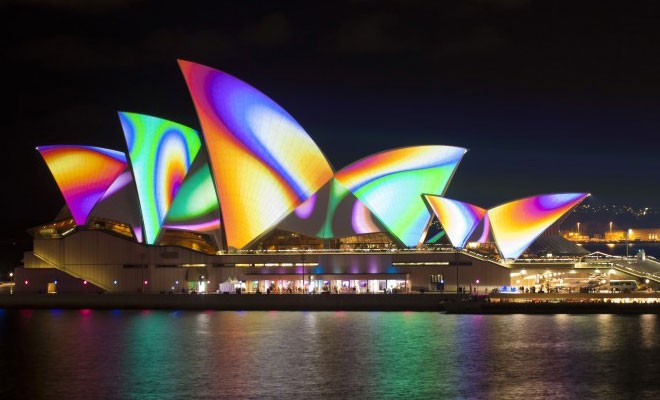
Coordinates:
(332,212)
(161,153)
(515,225)
(391,183)
(263,162)
(196,207)
(83,174)
(459,219)
(120,203)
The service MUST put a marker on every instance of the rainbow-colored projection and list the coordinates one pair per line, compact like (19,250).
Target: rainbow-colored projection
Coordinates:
(391,183)
(120,203)
(195,207)
(459,219)
(332,212)
(263,162)
(517,224)
(83,174)
(161,152)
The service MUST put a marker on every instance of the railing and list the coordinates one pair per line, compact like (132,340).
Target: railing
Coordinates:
(336,251)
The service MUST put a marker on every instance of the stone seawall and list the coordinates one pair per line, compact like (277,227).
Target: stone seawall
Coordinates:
(284,302)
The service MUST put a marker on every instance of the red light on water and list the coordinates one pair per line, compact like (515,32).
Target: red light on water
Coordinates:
(84,282)
(26,282)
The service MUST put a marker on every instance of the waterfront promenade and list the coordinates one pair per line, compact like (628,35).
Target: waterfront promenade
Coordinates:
(576,303)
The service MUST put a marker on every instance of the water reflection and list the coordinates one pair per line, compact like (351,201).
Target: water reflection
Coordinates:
(182,354)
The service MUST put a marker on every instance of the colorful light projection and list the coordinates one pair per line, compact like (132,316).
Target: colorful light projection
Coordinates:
(120,203)
(459,219)
(332,212)
(391,183)
(161,152)
(481,233)
(263,162)
(83,174)
(195,207)
(517,224)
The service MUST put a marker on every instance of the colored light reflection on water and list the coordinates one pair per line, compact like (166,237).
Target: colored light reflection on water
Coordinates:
(186,354)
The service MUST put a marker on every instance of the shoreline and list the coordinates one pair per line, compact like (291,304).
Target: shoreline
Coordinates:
(317,302)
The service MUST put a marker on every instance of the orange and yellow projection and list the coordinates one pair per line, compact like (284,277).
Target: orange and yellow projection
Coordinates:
(517,224)
(263,162)
(83,174)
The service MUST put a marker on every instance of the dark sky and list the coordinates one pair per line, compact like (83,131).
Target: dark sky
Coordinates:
(547,95)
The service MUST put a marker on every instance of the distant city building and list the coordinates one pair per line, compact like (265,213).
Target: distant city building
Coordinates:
(651,234)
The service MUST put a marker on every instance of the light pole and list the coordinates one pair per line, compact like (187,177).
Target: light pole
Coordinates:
(578,230)
(456,262)
(302,283)
(628,241)
(610,229)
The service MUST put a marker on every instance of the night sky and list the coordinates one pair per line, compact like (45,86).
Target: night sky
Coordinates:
(548,96)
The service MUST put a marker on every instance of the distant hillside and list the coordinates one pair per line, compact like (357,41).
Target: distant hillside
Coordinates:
(595,219)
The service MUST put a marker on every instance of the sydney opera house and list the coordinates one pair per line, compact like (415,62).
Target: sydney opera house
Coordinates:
(251,200)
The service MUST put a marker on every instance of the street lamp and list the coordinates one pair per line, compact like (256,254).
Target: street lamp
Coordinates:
(610,229)
(578,230)
(628,240)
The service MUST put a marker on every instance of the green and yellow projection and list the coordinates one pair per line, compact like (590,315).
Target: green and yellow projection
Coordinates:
(161,153)
(391,183)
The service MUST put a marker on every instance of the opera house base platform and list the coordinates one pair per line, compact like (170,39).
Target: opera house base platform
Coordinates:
(92,261)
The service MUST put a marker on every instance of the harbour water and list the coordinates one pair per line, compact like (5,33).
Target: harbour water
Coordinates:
(86,354)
